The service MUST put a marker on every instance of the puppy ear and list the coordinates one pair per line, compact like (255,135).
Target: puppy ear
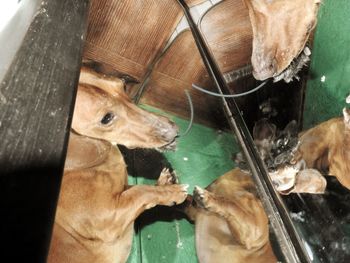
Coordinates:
(84,152)
(310,181)
(112,85)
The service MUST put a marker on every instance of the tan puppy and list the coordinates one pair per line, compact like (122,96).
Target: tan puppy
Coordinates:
(280,31)
(230,221)
(326,147)
(96,208)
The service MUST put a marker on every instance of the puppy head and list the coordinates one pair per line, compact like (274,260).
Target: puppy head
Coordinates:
(280,31)
(98,114)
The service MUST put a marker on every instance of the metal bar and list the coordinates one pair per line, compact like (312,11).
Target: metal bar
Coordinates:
(286,234)
(37,97)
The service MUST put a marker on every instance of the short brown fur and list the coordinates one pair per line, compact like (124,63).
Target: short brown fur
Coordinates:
(97,208)
(231,224)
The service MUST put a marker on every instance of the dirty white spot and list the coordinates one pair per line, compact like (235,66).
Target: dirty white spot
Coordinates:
(323,78)
(3,98)
(298,216)
(179,242)
(309,251)
(348,99)
(185,159)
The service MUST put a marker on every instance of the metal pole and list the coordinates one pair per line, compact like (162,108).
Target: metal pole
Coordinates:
(287,236)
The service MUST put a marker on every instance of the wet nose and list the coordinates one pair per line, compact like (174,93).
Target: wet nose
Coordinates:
(167,129)
(264,66)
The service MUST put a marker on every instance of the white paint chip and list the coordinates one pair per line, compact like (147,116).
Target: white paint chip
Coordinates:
(323,78)
(179,242)
(348,99)
(185,159)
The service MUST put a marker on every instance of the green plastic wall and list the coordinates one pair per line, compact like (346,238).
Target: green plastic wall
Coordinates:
(201,156)
(329,81)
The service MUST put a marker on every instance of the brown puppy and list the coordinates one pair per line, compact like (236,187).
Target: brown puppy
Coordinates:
(276,149)
(230,221)
(326,147)
(280,31)
(96,208)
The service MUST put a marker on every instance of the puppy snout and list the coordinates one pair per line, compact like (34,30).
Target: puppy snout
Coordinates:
(168,130)
(264,66)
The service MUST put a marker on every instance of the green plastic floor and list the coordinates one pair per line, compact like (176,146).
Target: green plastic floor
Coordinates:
(202,155)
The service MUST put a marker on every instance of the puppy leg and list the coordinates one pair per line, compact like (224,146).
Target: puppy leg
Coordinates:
(244,215)
(167,178)
(132,202)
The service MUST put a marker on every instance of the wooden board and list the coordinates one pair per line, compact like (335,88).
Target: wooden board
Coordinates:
(228,32)
(194,2)
(128,34)
(37,98)
(181,66)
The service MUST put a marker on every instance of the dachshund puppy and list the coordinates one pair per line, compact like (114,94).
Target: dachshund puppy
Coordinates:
(280,32)
(96,208)
(230,221)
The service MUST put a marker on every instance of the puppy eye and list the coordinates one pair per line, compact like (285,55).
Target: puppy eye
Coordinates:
(107,118)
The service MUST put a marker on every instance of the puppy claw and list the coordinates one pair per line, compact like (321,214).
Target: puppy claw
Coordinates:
(179,193)
(200,197)
(166,177)
(185,187)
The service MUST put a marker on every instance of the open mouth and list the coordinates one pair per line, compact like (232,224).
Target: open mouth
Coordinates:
(294,67)
(171,146)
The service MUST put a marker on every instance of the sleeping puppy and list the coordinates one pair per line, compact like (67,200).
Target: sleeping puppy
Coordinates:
(97,208)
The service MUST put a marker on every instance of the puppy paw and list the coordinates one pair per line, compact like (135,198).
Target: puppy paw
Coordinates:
(176,194)
(167,178)
(201,197)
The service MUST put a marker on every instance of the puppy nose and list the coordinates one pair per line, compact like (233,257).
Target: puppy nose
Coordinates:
(264,67)
(167,129)
(172,131)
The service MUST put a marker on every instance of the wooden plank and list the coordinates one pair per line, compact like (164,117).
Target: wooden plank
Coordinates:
(228,32)
(37,97)
(194,2)
(181,66)
(128,34)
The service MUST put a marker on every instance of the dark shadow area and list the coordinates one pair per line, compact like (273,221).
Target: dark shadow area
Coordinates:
(284,100)
(28,200)
(148,164)
(145,163)
(323,221)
